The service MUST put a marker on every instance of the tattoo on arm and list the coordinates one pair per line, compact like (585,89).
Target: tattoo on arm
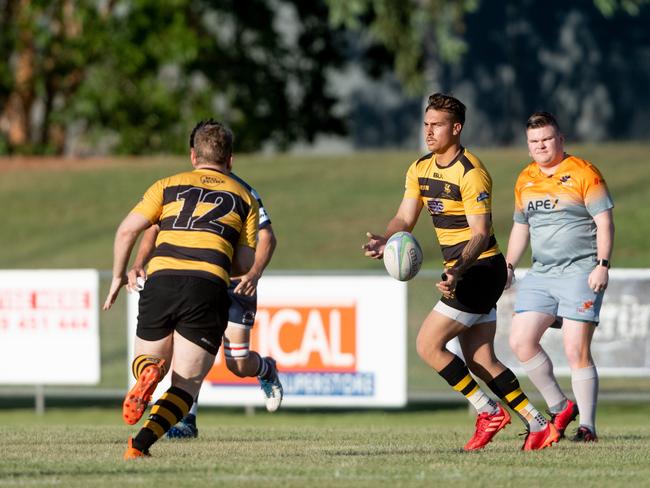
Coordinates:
(475,246)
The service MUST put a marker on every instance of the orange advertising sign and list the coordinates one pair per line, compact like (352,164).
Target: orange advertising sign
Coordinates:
(301,338)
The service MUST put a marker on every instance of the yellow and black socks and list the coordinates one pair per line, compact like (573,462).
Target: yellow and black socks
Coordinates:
(172,406)
(506,386)
(457,375)
(143,361)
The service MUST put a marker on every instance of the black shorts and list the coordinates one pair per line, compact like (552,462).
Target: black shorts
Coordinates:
(242,308)
(480,287)
(196,308)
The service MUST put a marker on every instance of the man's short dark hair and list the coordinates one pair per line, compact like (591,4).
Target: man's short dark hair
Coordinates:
(212,142)
(542,119)
(447,103)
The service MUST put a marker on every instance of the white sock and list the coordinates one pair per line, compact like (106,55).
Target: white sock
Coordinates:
(193,409)
(533,418)
(482,403)
(585,388)
(540,371)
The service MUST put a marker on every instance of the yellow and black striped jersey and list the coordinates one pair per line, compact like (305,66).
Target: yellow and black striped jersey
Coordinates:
(450,193)
(203,215)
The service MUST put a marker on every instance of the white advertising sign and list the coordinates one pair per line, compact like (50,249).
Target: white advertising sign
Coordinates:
(339,341)
(621,343)
(49,327)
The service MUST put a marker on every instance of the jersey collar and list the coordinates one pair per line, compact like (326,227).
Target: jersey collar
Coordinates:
(460,154)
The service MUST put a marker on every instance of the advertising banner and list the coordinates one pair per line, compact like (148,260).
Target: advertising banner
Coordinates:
(621,343)
(49,327)
(339,341)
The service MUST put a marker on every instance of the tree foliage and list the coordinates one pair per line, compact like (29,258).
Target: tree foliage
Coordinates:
(133,76)
(423,33)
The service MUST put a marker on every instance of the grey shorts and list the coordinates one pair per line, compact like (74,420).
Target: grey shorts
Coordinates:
(568,297)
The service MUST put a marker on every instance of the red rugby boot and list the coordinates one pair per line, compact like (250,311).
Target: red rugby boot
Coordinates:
(542,439)
(487,427)
(561,420)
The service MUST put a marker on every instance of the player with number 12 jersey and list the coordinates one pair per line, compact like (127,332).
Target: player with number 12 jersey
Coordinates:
(199,246)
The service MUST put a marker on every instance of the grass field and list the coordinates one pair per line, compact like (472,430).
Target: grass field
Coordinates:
(321,206)
(63,215)
(83,448)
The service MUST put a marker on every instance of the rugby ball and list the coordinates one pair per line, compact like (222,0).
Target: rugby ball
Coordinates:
(402,256)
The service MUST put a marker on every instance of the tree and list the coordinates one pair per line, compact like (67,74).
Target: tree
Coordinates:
(421,35)
(134,76)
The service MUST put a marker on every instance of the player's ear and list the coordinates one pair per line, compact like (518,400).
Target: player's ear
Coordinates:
(193,156)
(457,128)
(229,165)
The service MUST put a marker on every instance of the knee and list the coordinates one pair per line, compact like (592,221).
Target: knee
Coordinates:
(523,348)
(578,357)
(427,349)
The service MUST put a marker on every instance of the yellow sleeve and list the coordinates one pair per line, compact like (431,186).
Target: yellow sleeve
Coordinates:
(476,190)
(412,185)
(248,235)
(151,204)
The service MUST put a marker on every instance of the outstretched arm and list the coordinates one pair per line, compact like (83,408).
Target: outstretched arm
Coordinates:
(125,238)
(404,220)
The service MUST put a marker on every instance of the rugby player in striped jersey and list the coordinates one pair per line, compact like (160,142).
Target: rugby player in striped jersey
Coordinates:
(456,189)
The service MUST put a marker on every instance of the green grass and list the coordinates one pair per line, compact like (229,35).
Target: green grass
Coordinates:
(83,448)
(321,206)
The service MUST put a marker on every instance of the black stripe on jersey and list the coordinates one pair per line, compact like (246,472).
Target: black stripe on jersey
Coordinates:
(467,164)
(190,272)
(436,189)
(450,253)
(227,232)
(210,256)
(449,221)
(426,157)
(170,194)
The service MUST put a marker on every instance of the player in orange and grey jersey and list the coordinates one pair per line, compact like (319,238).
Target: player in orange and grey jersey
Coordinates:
(456,189)
(564,209)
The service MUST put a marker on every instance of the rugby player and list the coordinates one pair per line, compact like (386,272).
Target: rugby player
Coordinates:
(564,209)
(208,230)
(456,189)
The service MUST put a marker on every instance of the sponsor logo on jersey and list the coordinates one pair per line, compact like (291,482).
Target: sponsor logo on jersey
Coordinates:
(447,188)
(482,196)
(212,180)
(436,175)
(435,206)
(546,204)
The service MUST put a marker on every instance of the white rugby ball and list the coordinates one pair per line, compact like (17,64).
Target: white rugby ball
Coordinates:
(402,256)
